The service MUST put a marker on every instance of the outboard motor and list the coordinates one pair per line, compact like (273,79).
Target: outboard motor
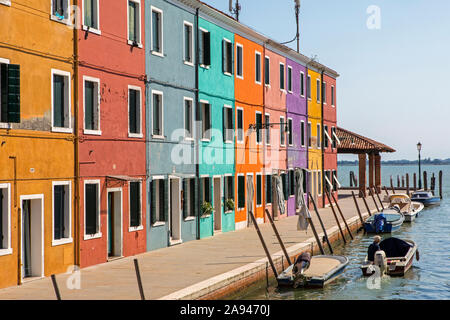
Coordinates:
(379,221)
(380,261)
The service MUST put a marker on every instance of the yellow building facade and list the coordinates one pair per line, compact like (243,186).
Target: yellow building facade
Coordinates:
(37,184)
(314,135)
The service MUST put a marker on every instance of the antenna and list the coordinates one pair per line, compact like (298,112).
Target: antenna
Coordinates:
(236,9)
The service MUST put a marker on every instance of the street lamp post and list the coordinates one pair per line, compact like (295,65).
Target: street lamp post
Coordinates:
(419,147)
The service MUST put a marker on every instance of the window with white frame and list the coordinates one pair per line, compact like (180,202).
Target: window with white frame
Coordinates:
(241,191)
(333,137)
(319,183)
(240,124)
(268,188)
(258,189)
(188,42)
(135,192)
(240,61)
(61,211)
(91,14)
(302,84)
(227,56)
(318,136)
(228,123)
(60,9)
(267,127)
(228,190)
(318,90)
(157,114)
(282,132)
(302,133)
(134,111)
(189,204)
(289,79)
(332,96)
(159,194)
(206,120)
(157,31)
(188,118)
(258,67)
(308,87)
(91,105)
(291,183)
(5,218)
(134,22)
(92,208)
(61,114)
(324,92)
(326,135)
(290,132)
(309,135)
(258,127)
(282,77)
(206,188)
(204,43)
(267,71)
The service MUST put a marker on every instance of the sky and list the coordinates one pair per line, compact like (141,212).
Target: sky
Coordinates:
(393,84)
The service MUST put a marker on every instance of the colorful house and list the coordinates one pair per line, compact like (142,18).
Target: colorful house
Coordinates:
(173,205)
(37,227)
(112,130)
(216,114)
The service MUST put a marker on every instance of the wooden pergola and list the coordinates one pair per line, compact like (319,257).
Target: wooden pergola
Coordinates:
(352,143)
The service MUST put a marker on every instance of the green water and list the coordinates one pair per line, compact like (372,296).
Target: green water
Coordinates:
(429,278)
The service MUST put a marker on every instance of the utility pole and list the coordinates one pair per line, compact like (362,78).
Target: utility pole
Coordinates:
(297,13)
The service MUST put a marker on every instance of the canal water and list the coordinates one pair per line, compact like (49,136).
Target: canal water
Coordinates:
(429,278)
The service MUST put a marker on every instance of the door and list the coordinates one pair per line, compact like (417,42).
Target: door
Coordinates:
(250,195)
(110,224)
(26,239)
(114,223)
(175,211)
(217,205)
(32,237)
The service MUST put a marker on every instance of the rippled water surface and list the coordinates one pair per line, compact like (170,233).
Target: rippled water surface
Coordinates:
(429,278)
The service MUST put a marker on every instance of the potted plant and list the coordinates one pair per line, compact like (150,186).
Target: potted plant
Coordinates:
(207,208)
(229,205)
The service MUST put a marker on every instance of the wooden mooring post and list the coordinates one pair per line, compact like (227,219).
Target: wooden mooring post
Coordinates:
(337,220)
(403,181)
(392,186)
(432,183)
(55,287)
(386,190)
(373,198)
(398,181)
(321,223)
(440,184)
(139,280)
(407,184)
(425,182)
(415,181)
(275,230)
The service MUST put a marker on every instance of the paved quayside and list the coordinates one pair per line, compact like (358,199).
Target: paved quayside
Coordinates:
(208,268)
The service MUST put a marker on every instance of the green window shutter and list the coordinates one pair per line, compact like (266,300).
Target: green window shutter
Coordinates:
(133,111)
(156,31)
(13,108)
(185,198)
(231,47)
(241,191)
(224,56)
(224,124)
(88,17)
(207,45)
(166,199)
(89,105)
(132,21)
(91,208)
(135,204)
(58,218)
(58,101)
(153,201)
(258,190)
(4,92)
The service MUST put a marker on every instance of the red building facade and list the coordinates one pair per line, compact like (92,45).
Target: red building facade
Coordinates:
(111,114)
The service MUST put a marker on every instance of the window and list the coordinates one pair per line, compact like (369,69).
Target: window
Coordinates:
(228,124)
(302,133)
(135,204)
(308,87)
(91,15)
(206,120)
(267,121)
(188,43)
(240,61)
(267,71)
(92,208)
(157,108)
(325,136)
(284,181)
(189,204)
(61,213)
(188,117)
(159,193)
(61,116)
(318,136)
(290,79)
(240,125)
(332,96)
(309,135)
(134,111)
(282,77)
(302,84)
(241,192)
(91,106)
(258,67)
(9,92)
(60,9)
(258,189)
(268,188)
(319,182)
(291,183)
(334,182)
(205,48)
(290,134)
(157,31)
(227,56)
(5,219)
(228,189)
(258,127)
(333,138)
(324,92)
(282,132)
(318,90)
(134,22)
(206,187)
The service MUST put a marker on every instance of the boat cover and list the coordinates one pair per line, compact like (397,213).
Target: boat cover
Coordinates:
(394,247)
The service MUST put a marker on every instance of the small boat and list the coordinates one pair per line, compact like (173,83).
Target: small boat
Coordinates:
(398,257)
(382,222)
(322,270)
(401,203)
(425,197)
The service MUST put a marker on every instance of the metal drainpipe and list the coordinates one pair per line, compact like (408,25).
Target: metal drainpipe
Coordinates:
(197,118)
(322,142)
(76,146)
(307,125)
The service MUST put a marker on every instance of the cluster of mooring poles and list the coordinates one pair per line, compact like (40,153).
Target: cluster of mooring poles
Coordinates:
(403,183)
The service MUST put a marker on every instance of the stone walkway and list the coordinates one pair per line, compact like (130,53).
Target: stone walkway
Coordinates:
(175,272)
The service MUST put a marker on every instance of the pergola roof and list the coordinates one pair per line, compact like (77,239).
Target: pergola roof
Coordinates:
(355,143)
